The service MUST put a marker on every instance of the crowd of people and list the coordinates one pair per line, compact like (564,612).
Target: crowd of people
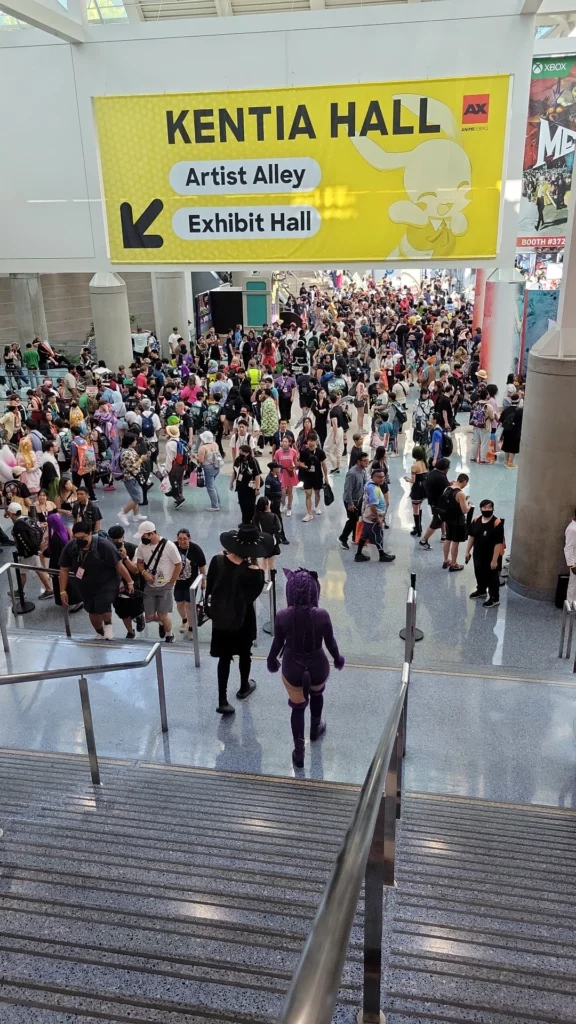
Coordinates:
(293,405)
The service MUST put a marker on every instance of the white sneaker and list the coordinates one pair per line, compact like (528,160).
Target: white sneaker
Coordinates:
(318,511)
(183,627)
(108,631)
(288,512)
(307,518)
(123,518)
(140,518)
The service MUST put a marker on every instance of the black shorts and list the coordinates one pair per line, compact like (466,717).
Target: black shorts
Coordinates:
(436,521)
(182,590)
(456,532)
(98,602)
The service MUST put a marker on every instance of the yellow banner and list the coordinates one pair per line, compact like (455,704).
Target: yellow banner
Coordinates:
(326,174)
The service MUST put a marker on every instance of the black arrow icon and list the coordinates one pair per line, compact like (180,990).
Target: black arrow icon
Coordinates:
(133,231)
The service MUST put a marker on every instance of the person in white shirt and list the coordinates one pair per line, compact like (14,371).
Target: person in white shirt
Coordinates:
(174,340)
(570,556)
(159,562)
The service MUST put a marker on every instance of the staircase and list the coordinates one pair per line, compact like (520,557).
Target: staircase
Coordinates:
(168,896)
(184,896)
(482,924)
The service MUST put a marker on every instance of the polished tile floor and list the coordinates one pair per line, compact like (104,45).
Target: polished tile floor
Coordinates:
(474,735)
(492,707)
(367,602)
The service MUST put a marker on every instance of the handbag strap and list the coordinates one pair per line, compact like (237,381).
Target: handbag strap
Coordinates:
(155,557)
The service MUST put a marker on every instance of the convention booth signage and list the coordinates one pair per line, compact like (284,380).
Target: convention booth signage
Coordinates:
(548,154)
(403,171)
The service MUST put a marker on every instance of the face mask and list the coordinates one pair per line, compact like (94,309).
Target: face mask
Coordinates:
(146,540)
(487,513)
(82,543)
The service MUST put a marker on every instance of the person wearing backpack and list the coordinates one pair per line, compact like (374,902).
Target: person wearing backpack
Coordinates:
(97,566)
(481,418)
(233,584)
(454,509)
(177,456)
(82,462)
(28,536)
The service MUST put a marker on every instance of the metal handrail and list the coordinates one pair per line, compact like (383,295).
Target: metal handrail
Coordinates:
(568,614)
(86,670)
(368,851)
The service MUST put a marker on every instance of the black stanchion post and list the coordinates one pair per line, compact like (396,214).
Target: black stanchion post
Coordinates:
(22,606)
(268,626)
(418,634)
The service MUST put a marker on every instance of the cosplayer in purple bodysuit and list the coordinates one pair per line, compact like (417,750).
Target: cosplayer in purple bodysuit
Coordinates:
(299,632)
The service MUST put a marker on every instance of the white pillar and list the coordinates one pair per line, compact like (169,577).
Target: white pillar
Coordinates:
(28,302)
(111,316)
(170,305)
(546,489)
(502,326)
(479,296)
(190,304)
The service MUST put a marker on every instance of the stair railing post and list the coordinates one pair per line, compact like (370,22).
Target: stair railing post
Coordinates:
(161,688)
(89,730)
(379,873)
(571,614)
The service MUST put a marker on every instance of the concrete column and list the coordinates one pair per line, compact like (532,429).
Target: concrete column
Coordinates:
(546,490)
(502,326)
(28,302)
(170,305)
(111,316)
(479,295)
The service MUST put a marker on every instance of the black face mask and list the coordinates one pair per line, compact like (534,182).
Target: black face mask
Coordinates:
(487,513)
(146,540)
(82,543)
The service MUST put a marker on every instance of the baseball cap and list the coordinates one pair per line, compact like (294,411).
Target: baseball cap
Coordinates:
(14,508)
(145,527)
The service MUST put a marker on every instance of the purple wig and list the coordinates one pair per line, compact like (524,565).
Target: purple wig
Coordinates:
(302,588)
(57,528)
(302,594)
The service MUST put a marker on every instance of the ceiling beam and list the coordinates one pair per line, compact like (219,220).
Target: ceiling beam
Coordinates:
(317,5)
(531,6)
(223,8)
(133,10)
(38,15)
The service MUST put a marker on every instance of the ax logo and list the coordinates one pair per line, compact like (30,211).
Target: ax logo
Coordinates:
(475,109)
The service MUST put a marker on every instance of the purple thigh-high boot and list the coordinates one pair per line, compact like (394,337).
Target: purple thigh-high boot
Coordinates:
(317,726)
(297,723)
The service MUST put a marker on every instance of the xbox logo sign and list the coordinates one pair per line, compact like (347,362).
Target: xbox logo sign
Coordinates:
(537,68)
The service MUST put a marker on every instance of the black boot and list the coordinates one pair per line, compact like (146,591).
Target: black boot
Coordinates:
(416,531)
(297,723)
(359,557)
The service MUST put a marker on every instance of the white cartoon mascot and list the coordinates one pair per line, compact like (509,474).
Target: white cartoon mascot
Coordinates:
(437,180)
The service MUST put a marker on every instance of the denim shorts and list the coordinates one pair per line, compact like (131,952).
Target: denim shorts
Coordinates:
(134,489)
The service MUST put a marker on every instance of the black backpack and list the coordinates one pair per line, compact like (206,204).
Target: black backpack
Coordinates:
(448,505)
(447,445)
(226,604)
(30,535)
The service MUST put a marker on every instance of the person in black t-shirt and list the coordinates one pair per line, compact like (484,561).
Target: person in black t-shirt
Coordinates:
(97,566)
(313,464)
(193,563)
(486,547)
(435,484)
(128,605)
(247,475)
(85,510)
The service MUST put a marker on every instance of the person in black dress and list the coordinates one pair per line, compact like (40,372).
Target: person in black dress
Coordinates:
(234,582)
(58,537)
(320,411)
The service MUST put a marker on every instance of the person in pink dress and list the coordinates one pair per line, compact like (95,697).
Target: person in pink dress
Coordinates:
(287,457)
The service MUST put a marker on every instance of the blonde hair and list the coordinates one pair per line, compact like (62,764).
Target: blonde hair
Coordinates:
(26,453)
